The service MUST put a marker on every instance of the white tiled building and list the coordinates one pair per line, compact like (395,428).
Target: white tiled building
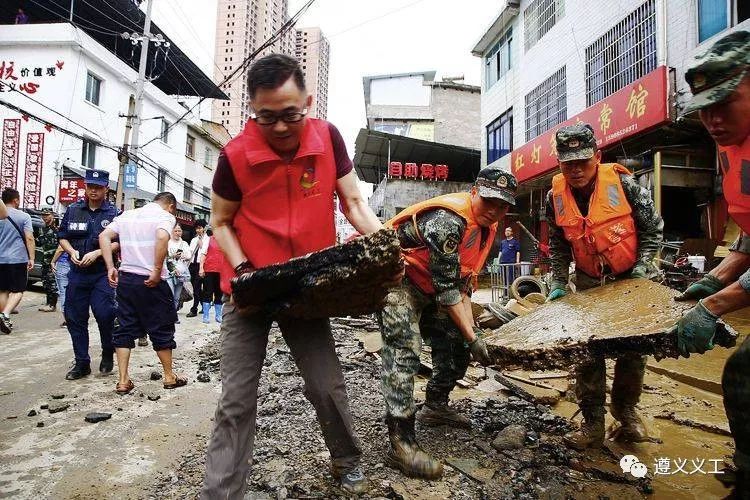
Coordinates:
(313,53)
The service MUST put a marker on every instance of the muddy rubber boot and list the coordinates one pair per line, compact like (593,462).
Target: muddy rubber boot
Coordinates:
(436,412)
(632,429)
(591,433)
(406,455)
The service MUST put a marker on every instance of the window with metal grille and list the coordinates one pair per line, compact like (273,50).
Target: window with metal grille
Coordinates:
(161,180)
(498,61)
(538,19)
(546,105)
(500,136)
(622,55)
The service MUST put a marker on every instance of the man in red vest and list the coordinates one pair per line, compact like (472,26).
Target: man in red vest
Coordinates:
(445,242)
(720,82)
(273,200)
(601,218)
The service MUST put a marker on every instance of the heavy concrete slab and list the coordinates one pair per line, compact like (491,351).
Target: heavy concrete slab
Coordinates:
(624,316)
(343,280)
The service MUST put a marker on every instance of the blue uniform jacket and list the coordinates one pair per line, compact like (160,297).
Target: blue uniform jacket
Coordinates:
(81,226)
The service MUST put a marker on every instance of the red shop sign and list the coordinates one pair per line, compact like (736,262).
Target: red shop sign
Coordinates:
(71,190)
(631,110)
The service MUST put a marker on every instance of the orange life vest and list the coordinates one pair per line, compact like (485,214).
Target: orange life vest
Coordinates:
(287,208)
(735,164)
(472,251)
(607,235)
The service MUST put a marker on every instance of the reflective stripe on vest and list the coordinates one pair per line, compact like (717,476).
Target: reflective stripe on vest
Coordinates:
(472,254)
(735,164)
(287,208)
(607,236)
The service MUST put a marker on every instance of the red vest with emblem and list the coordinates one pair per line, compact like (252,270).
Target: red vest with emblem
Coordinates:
(472,253)
(287,208)
(607,236)
(213,262)
(735,164)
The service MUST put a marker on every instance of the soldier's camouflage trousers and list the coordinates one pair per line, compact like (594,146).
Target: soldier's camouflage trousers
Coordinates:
(591,375)
(402,343)
(50,284)
(735,383)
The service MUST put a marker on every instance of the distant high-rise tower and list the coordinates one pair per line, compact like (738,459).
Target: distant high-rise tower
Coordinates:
(241,27)
(312,51)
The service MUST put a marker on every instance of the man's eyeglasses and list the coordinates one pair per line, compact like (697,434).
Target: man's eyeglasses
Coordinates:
(286,117)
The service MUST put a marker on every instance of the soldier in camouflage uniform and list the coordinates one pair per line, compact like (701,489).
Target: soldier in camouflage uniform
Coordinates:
(47,243)
(445,241)
(720,82)
(582,173)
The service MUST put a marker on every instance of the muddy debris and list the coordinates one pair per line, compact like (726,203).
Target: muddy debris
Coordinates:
(203,377)
(342,280)
(96,416)
(58,406)
(152,396)
(290,458)
(40,424)
(57,396)
(631,315)
(32,413)
(512,437)
(155,375)
(44,406)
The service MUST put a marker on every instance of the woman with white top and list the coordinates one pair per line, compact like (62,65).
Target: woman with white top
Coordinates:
(178,259)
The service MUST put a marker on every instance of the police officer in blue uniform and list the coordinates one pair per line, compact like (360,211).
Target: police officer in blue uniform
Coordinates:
(87,281)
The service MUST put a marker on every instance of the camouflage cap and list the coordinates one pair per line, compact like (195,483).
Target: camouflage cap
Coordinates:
(575,142)
(46,210)
(715,74)
(494,182)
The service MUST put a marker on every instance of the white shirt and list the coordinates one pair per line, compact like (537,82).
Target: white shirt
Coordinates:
(195,246)
(137,230)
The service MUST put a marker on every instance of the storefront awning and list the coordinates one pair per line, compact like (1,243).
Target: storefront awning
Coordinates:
(631,111)
(371,156)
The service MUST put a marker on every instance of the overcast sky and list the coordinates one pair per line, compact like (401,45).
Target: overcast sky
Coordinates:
(366,37)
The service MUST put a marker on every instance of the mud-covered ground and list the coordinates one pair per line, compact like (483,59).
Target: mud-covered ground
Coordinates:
(290,458)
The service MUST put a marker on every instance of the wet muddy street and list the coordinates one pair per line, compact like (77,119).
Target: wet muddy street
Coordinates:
(153,446)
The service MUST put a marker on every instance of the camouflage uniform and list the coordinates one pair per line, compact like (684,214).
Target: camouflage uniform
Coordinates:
(591,376)
(47,243)
(408,310)
(713,77)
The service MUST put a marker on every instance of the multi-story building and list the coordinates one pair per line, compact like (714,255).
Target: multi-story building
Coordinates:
(242,26)
(313,52)
(618,65)
(64,94)
(420,140)
(202,147)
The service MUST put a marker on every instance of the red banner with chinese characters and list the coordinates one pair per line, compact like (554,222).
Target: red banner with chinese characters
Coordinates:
(425,171)
(71,190)
(9,155)
(32,190)
(631,110)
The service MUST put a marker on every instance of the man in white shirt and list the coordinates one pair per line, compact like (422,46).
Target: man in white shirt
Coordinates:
(144,299)
(197,281)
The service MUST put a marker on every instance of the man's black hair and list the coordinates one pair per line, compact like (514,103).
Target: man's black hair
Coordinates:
(167,197)
(272,71)
(10,194)
(201,223)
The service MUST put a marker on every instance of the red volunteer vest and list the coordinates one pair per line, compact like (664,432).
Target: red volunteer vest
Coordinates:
(213,262)
(607,236)
(472,254)
(287,208)
(735,164)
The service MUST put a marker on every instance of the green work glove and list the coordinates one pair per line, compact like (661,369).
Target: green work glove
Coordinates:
(640,270)
(479,352)
(556,293)
(705,287)
(695,330)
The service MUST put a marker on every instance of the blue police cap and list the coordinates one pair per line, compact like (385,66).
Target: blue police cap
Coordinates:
(97,177)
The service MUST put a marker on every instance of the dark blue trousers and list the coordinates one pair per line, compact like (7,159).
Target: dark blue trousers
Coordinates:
(84,291)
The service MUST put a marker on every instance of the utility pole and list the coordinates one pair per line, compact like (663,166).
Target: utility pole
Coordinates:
(123,156)
(134,111)
(72,4)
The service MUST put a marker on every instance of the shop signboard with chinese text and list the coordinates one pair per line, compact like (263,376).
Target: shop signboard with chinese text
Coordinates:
(71,190)
(424,171)
(632,110)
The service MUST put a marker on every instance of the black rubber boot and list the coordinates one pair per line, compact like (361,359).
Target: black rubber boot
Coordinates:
(405,454)
(80,370)
(107,363)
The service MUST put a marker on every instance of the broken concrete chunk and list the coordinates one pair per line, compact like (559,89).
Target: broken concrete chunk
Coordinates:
(203,377)
(512,437)
(155,375)
(32,413)
(631,315)
(343,280)
(154,397)
(40,424)
(57,396)
(58,406)
(96,416)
